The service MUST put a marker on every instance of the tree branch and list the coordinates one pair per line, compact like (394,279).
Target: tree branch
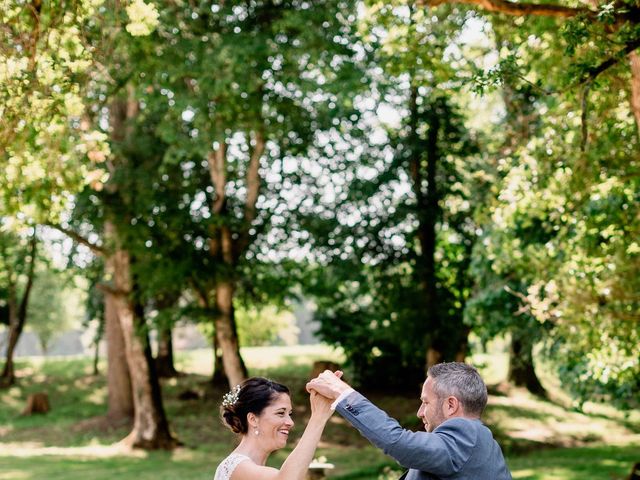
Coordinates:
(518,9)
(218,171)
(109,290)
(253,189)
(592,73)
(217,160)
(253,178)
(97,249)
(201,294)
(583,117)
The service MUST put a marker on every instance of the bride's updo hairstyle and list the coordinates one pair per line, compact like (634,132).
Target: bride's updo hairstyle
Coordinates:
(251,396)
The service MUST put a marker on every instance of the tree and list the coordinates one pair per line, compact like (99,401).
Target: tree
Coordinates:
(46,148)
(279,69)
(18,260)
(614,27)
(398,238)
(557,219)
(124,314)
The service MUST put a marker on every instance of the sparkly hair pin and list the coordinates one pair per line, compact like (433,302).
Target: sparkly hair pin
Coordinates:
(230,399)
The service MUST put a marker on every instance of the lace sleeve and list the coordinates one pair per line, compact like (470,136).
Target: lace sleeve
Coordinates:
(228,465)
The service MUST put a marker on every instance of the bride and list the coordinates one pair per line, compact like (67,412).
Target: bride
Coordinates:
(259,410)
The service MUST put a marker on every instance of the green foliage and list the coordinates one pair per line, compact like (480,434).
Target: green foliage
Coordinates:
(261,325)
(369,282)
(561,246)
(266,326)
(374,316)
(55,306)
(15,259)
(46,148)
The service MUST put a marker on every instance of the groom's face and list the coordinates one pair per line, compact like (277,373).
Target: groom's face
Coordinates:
(430,411)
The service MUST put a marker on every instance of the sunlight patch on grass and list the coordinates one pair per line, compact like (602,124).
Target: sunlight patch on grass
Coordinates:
(269,357)
(549,474)
(93,450)
(201,361)
(526,473)
(527,417)
(98,396)
(14,475)
(183,455)
(12,398)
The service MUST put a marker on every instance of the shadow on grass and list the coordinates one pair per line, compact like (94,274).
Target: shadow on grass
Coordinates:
(521,412)
(626,423)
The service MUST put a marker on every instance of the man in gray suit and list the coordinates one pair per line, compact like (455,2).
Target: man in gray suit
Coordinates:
(456,445)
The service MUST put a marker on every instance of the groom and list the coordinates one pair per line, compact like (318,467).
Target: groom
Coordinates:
(456,445)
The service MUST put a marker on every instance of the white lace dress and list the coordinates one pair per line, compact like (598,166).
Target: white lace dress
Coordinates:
(228,465)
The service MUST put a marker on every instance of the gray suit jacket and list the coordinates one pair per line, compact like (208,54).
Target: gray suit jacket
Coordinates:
(460,448)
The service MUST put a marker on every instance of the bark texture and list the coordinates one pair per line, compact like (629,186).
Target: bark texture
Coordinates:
(120,393)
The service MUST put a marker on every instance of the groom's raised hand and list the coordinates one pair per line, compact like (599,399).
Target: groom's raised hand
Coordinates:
(328,384)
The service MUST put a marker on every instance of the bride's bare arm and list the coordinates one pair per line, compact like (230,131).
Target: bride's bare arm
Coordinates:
(296,465)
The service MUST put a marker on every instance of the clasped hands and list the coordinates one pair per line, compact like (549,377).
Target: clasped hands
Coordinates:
(328,384)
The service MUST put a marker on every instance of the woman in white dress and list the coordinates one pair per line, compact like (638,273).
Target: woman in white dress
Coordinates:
(259,410)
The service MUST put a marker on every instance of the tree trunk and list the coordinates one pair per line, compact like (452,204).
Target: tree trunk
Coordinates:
(18,315)
(227,246)
(150,426)
(227,336)
(462,349)
(428,211)
(164,360)
(96,341)
(634,58)
(433,356)
(120,393)
(96,357)
(464,283)
(8,377)
(429,214)
(219,377)
(521,370)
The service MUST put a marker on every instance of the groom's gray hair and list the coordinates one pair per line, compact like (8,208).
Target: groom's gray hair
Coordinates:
(461,381)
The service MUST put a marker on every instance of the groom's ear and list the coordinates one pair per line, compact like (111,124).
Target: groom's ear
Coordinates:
(452,406)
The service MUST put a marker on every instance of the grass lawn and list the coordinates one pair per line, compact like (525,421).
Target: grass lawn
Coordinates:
(542,439)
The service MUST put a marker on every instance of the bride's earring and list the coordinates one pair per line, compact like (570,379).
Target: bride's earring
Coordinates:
(256,432)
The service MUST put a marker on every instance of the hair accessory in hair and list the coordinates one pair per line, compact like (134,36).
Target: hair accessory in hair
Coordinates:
(230,399)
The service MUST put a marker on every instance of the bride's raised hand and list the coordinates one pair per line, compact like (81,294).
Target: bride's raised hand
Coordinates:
(320,406)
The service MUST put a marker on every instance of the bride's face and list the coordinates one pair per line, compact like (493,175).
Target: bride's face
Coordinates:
(274,423)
